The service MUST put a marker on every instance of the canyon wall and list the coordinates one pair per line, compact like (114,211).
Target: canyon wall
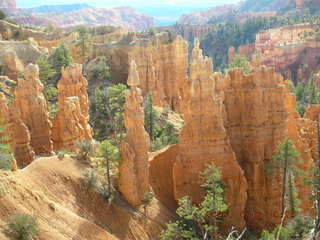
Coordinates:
(203,141)
(162,63)
(292,50)
(256,120)
(134,165)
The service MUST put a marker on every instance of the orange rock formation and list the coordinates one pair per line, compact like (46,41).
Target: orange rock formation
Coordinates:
(21,139)
(256,123)
(203,141)
(162,63)
(292,50)
(72,121)
(34,110)
(70,126)
(134,166)
(12,65)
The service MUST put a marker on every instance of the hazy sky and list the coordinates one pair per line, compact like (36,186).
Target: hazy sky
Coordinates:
(107,3)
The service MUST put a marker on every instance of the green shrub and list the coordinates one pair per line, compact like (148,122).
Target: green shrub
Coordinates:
(85,148)
(91,179)
(2,15)
(148,197)
(62,154)
(23,226)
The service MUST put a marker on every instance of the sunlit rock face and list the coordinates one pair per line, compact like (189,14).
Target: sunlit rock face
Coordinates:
(72,121)
(33,107)
(134,166)
(162,63)
(203,141)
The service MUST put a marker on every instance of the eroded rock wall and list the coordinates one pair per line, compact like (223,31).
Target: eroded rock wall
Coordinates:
(256,120)
(72,121)
(203,141)
(30,101)
(162,62)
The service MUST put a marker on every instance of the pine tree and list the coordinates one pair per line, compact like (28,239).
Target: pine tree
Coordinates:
(242,63)
(199,222)
(111,155)
(83,41)
(150,117)
(5,153)
(61,57)
(284,163)
(46,70)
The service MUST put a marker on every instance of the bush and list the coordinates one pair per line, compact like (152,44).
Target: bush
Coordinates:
(62,153)
(2,15)
(148,197)
(91,179)
(23,226)
(85,148)
(5,153)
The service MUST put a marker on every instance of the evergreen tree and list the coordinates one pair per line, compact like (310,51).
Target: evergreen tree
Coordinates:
(5,153)
(2,15)
(150,117)
(83,41)
(107,110)
(61,57)
(46,70)
(111,155)
(199,222)
(242,63)
(101,72)
(284,163)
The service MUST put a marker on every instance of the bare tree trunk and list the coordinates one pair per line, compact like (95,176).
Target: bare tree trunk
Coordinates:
(284,181)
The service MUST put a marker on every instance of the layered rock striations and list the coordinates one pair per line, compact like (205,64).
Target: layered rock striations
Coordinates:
(203,141)
(13,67)
(134,166)
(15,133)
(21,138)
(256,120)
(292,50)
(162,63)
(32,104)
(72,121)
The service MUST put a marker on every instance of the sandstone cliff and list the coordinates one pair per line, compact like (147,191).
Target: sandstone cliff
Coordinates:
(34,110)
(134,166)
(292,50)
(256,119)
(72,121)
(203,141)
(13,67)
(162,63)
(21,139)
